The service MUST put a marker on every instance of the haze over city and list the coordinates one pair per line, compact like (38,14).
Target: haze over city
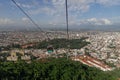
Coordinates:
(83,14)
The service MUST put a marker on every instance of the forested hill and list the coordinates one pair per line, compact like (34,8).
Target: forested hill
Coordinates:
(63,43)
(51,69)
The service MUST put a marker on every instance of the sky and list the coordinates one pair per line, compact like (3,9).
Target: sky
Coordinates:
(83,14)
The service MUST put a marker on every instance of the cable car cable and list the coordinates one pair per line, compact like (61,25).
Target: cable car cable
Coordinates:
(30,18)
(67,25)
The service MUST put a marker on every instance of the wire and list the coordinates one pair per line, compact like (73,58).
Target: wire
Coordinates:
(66,4)
(67,24)
(30,18)
(38,25)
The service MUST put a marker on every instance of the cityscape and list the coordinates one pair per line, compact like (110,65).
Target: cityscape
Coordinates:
(103,46)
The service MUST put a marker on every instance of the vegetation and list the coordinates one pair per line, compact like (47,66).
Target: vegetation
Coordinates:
(4,48)
(57,43)
(8,47)
(63,43)
(116,73)
(51,69)
(3,56)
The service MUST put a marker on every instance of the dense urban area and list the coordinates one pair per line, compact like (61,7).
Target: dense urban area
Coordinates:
(91,50)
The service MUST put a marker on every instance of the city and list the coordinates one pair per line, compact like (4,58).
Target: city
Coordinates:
(103,46)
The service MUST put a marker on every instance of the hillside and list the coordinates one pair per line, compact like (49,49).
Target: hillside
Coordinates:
(51,69)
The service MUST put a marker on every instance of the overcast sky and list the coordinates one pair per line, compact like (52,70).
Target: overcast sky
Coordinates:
(49,13)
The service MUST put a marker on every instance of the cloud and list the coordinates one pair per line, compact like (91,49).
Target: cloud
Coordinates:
(79,5)
(45,10)
(58,7)
(24,19)
(6,21)
(25,5)
(55,10)
(76,7)
(108,2)
(95,21)
(11,22)
(91,21)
